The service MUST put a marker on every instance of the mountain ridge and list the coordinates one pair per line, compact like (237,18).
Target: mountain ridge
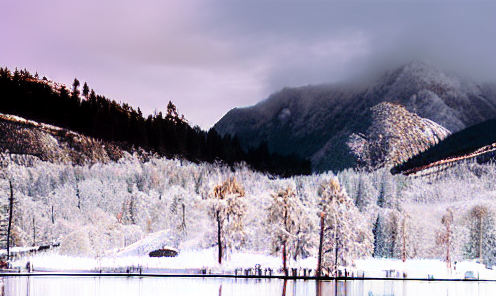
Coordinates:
(315,122)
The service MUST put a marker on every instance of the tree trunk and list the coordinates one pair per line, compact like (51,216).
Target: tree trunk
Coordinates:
(34,233)
(11,206)
(448,243)
(403,251)
(480,239)
(321,245)
(284,256)
(336,259)
(219,238)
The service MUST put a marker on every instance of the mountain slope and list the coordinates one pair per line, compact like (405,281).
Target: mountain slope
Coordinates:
(316,122)
(394,136)
(54,144)
(477,141)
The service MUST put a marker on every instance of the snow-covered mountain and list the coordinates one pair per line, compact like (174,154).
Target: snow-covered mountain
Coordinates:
(394,136)
(316,122)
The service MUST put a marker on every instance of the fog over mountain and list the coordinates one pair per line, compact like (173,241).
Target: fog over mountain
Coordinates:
(211,56)
(317,122)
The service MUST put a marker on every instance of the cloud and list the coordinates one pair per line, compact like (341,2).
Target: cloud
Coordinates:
(211,56)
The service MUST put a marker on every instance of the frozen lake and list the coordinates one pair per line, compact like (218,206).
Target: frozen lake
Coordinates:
(140,286)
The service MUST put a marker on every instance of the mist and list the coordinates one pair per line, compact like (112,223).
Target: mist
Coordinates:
(211,56)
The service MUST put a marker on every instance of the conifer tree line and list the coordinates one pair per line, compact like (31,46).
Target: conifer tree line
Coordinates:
(82,110)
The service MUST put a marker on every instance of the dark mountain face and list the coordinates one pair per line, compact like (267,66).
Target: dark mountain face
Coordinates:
(475,142)
(316,122)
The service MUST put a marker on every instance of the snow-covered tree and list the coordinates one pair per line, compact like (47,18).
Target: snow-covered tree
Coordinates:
(290,225)
(227,209)
(482,237)
(445,238)
(346,235)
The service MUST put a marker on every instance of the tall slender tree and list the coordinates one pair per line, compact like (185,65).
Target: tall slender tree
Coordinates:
(227,209)
(346,234)
(291,226)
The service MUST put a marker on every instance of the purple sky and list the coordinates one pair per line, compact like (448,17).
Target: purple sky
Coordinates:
(211,56)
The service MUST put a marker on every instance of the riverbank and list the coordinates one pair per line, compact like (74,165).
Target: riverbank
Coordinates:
(204,263)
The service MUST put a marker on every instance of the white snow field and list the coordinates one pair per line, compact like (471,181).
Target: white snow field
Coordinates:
(192,261)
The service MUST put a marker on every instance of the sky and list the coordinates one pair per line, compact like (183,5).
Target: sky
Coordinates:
(211,56)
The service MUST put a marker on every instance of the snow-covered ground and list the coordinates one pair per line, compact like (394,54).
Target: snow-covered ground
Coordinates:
(194,260)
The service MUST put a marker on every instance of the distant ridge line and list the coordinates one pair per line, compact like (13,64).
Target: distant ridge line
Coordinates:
(449,162)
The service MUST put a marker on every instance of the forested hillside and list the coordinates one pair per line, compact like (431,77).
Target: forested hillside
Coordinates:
(81,110)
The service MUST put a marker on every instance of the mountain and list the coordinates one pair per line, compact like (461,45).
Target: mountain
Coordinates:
(316,122)
(394,136)
(476,142)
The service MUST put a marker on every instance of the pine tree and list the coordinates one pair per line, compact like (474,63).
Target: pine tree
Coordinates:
(86,90)
(172,113)
(75,88)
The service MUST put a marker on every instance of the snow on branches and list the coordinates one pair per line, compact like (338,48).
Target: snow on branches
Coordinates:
(227,209)
(290,225)
(345,234)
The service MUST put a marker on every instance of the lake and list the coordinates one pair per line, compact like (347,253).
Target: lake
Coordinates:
(140,286)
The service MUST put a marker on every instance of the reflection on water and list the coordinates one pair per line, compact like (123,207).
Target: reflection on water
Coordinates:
(141,286)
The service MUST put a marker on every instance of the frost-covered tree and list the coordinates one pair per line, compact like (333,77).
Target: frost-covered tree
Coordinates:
(387,197)
(387,229)
(391,227)
(445,238)
(360,188)
(482,237)
(227,209)
(346,235)
(290,225)
(365,193)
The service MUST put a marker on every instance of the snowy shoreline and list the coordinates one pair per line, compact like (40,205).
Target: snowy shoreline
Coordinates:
(198,263)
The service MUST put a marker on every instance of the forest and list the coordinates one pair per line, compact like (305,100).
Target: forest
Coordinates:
(168,134)
(94,209)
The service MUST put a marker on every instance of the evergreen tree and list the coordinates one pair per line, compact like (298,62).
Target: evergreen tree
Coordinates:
(75,88)
(86,90)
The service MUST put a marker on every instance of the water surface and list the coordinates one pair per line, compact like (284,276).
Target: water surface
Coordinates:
(141,286)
